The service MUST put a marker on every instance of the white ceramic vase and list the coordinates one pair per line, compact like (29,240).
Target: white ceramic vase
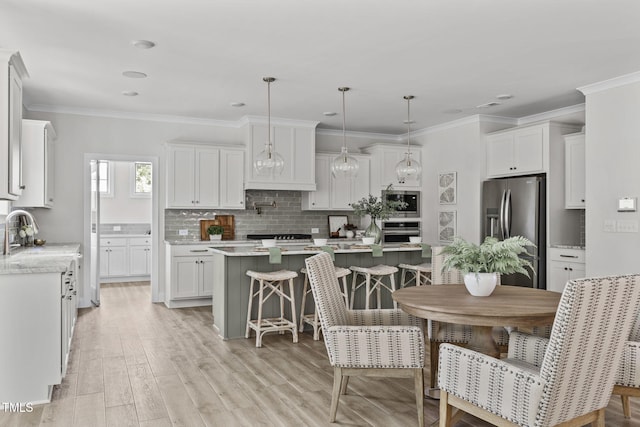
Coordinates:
(215,236)
(480,284)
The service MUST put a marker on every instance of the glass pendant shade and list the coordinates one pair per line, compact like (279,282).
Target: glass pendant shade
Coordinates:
(344,166)
(408,168)
(268,162)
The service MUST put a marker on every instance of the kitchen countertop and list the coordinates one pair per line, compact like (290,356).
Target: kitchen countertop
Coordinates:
(224,243)
(299,249)
(50,258)
(567,247)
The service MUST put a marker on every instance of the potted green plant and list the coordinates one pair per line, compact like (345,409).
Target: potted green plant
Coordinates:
(377,208)
(482,263)
(215,232)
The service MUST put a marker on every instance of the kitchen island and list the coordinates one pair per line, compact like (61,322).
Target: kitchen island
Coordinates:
(231,284)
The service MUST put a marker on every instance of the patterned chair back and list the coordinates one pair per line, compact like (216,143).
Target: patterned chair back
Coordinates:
(326,291)
(593,322)
(439,277)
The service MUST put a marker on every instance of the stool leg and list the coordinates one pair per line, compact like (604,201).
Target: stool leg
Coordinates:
(280,286)
(393,288)
(368,290)
(353,288)
(293,311)
(378,286)
(305,288)
(259,320)
(403,282)
(248,330)
(418,278)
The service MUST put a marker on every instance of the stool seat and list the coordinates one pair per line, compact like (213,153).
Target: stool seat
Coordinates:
(312,318)
(271,283)
(373,282)
(421,274)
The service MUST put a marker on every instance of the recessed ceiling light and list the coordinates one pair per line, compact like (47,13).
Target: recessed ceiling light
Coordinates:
(329,113)
(452,111)
(130,93)
(134,74)
(504,96)
(143,44)
(237,104)
(406,122)
(488,104)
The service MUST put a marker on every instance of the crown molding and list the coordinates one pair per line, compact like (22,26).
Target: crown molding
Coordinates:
(550,115)
(356,134)
(165,118)
(475,119)
(278,121)
(14,57)
(610,83)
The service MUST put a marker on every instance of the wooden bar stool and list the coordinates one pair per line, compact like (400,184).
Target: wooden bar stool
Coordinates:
(419,274)
(312,318)
(376,274)
(271,283)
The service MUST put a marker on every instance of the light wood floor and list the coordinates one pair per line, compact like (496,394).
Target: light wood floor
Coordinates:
(140,364)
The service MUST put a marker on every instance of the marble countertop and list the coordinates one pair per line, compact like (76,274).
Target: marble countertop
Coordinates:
(225,243)
(307,249)
(50,258)
(567,247)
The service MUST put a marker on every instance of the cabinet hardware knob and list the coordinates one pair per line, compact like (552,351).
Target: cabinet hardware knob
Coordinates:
(22,187)
(582,200)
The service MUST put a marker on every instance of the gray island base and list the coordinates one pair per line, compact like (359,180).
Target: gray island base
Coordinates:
(231,284)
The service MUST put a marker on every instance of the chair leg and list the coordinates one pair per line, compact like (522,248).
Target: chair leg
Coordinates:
(345,291)
(599,422)
(626,408)
(445,410)
(345,383)
(335,393)
(392,277)
(280,286)
(403,276)
(419,388)
(293,311)
(248,329)
(433,368)
(259,321)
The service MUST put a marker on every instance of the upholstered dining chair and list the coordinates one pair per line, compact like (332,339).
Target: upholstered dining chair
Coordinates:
(564,380)
(374,343)
(628,380)
(441,332)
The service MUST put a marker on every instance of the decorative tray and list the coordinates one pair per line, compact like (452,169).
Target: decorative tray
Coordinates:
(319,248)
(360,246)
(263,249)
(411,245)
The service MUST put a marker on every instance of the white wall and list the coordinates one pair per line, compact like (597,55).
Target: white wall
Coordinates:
(613,171)
(121,207)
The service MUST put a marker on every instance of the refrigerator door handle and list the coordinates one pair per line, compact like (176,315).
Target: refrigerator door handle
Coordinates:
(502,207)
(507,214)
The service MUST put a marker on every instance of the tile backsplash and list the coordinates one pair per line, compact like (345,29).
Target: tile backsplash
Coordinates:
(286,217)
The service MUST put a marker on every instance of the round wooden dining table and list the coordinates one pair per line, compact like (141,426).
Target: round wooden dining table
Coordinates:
(512,306)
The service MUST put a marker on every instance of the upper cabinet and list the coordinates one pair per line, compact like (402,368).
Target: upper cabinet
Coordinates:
(12,72)
(337,193)
(295,141)
(38,153)
(517,152)
(204,176)
(574,159)
(384,159)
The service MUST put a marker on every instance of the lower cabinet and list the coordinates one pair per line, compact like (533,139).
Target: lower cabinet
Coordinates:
(125,258)
(564,265)
(139,256)
(190,276)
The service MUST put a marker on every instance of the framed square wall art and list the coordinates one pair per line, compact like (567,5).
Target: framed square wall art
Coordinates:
(447,226)
(447,188)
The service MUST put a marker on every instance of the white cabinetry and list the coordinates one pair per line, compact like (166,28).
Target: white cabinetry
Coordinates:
(113,257)
(564,265)
(295,141)
(12,71)
(337,193)
(189,273)
(139,256)
(517,152)
(384,159)
(574,158)
(198,176)
(38,154)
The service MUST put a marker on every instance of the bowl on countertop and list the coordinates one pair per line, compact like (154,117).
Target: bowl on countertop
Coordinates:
(368,240)
(268,243)
(415,239)
(320,242)
(39,242)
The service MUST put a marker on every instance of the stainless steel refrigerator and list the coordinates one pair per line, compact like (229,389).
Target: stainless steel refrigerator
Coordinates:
(516,207)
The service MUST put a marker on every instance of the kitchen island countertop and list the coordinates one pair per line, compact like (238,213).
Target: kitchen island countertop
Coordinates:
(50,258)
(307,249)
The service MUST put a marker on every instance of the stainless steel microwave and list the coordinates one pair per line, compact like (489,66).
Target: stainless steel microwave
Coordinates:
(411,198)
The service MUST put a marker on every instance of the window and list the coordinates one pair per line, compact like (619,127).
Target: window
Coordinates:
(105,183)
(141,179)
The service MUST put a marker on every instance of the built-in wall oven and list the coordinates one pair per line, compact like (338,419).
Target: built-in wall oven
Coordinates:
(399,231)
(411,198)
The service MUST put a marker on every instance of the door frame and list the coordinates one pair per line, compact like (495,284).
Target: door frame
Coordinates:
(155,219)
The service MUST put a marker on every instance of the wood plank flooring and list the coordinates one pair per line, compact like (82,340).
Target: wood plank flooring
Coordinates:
(134,363)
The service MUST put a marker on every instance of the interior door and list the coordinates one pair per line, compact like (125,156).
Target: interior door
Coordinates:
(94,255)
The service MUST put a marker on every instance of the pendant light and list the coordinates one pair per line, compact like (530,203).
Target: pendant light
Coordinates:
(408,168)
(268,162)
(344,165)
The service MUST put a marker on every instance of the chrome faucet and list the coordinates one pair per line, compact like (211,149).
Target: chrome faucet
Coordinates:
(17,212)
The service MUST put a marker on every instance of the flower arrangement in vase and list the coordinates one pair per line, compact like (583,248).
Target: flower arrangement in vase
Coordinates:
(482,263)
(378,209)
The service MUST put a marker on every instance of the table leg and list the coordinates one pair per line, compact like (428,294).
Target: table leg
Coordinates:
(482,341)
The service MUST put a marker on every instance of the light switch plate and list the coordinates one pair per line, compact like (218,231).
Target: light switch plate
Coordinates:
(609,226)
(183,232)
(116,228)
(315,230)
(627,226)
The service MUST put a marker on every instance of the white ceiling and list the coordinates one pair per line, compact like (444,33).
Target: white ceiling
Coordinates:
(449,54)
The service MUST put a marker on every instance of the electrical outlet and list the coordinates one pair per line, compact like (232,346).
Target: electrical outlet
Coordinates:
(183,232)
(116,228)
(627,226)
(609,226)
(315,230)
